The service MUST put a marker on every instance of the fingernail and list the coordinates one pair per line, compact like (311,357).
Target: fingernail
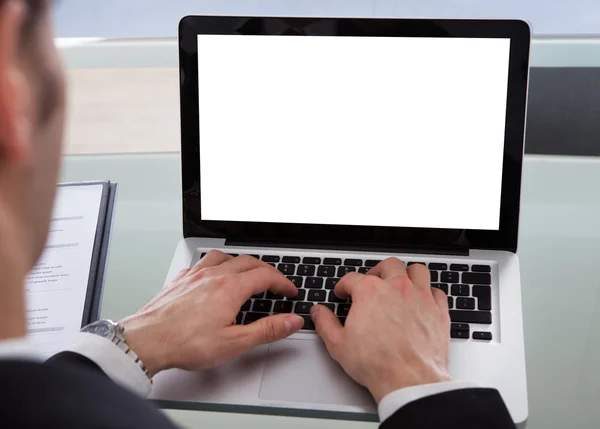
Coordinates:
(292,324)
(314,311)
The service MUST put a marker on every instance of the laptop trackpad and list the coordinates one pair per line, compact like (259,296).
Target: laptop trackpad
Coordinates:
(303,371)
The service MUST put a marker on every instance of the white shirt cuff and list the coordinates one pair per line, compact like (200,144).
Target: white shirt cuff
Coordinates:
(393,401)
(116,364)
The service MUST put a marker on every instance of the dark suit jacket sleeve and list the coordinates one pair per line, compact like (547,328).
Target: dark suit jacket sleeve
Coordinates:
(458,409)
(75,361)
(70,391)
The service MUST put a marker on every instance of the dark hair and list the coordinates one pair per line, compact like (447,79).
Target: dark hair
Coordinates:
(34,7)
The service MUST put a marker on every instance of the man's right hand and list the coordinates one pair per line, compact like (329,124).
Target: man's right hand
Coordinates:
(397,333)
(191,323)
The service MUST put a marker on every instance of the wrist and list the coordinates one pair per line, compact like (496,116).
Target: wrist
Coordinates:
(387,385)
(140,339)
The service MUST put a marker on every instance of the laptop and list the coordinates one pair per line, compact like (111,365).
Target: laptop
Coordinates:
(325,145)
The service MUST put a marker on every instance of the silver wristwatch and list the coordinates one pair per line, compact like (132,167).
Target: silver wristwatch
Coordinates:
(114,332)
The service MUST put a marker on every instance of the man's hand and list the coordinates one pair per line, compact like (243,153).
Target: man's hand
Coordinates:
(397,333)
(190,324)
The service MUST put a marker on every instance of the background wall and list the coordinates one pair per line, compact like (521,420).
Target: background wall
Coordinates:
(158,18)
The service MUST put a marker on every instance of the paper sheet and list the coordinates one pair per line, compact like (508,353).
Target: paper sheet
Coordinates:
(56,287)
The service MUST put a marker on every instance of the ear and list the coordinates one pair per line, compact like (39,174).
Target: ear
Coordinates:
(15,125)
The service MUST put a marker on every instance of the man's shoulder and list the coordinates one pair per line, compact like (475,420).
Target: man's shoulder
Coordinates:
(50,395)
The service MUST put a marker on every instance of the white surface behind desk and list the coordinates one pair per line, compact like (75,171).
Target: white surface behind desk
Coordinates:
(560,256)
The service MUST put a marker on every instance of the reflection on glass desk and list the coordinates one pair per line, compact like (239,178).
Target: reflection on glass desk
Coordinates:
(559,249)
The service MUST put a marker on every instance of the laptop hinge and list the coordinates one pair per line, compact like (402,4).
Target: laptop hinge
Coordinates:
(454,250)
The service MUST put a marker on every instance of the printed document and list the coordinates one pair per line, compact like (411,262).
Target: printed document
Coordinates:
(57,285)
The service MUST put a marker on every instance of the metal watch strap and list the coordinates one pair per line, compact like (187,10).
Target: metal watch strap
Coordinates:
(119,341)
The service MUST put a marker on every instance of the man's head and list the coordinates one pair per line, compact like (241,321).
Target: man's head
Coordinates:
(32,104)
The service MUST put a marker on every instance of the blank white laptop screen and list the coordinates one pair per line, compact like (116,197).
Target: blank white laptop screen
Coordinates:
(373,131)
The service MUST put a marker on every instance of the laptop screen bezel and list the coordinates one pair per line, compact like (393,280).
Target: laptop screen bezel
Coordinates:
(359,236)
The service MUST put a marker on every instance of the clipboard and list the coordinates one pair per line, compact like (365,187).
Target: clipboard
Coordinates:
(95,286)
(64,288)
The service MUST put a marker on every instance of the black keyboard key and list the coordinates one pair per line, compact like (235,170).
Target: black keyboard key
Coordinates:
(253,317)
(353,262)
(342,320)
(343,310)
(283,307)
(273,295)
(296,280)
(438,266)
(203,255)
(313,283)
(477,278)
(300,297)
(467,316)
(413,263)
(287,268)
(272,264)
(459,334)
(246,305)
(308,323)
(270,258)
(449,277)
(239,318)
(372,262)
(459,267)
(235,255)
(465,303)
(310,260)
(326,271)
(363,270)
(262,305)
(329,306)
(460,290)
(334,298)
(305,270)
(484,297)
(441,286)
(485,336)
(303,307)
(330,283)
(332,261)
(317,295)
(434,276)
(342,271)
(459,327)
(481,269)
(450,302)
(258,295)
(291,259)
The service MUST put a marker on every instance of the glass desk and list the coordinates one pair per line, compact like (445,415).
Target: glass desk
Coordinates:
(559,250)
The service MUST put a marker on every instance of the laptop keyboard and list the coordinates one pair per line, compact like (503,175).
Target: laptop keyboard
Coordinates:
(468,288)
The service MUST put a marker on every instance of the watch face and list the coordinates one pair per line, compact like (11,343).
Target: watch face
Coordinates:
(102,329)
